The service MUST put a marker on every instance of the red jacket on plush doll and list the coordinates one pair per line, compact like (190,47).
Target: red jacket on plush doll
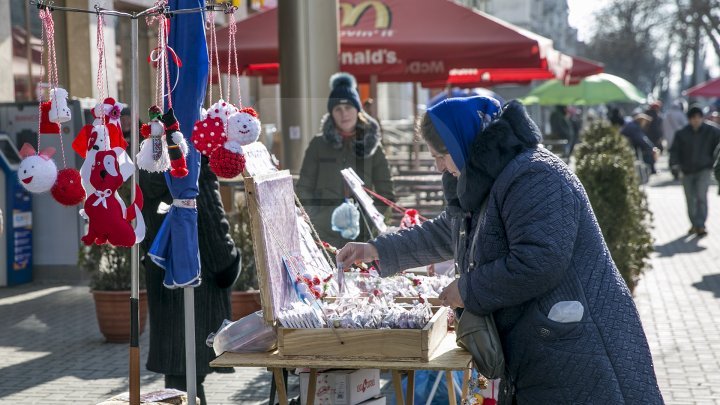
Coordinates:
(104,212)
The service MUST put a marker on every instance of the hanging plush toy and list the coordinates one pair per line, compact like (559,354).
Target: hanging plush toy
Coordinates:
(68,189)
(59,110)
(208,135)
(176,144)
(153,155)
(37,172)
(109,222)
(243,128)
(47,126)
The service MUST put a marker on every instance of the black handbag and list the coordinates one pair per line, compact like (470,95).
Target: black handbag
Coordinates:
(478,334)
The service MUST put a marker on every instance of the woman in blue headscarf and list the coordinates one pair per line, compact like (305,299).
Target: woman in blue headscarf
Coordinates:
(568,325)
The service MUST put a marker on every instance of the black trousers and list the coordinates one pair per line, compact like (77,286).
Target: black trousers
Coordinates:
(179,382)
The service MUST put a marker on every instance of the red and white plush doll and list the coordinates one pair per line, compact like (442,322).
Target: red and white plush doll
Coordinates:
(37,172)
(243,128)
(176,145)
(98,139)
(112,110)
(114,134)
(109,222)
(153,156)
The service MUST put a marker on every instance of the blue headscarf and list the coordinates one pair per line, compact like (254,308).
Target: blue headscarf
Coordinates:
(460,120)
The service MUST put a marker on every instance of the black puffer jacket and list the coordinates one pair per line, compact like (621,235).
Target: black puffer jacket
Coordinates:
(220,264)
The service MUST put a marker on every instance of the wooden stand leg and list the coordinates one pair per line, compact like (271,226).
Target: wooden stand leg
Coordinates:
(397,383)
(280,383)
(450,388)
(466,383)
(312,387)
(410,397)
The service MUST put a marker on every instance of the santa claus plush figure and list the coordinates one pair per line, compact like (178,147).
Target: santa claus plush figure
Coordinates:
(153,155)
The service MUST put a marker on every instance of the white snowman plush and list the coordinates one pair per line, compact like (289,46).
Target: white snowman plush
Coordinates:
(243,128)
(37,172)
(59,110)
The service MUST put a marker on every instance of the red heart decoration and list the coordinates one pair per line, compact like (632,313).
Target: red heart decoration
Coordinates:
(208,135)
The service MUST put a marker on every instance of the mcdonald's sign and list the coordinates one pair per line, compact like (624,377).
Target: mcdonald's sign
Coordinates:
(351,14)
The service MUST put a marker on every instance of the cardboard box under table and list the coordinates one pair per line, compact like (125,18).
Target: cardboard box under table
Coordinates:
(271,201)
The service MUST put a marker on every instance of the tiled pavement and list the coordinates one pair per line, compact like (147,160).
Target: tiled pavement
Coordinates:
(52,353)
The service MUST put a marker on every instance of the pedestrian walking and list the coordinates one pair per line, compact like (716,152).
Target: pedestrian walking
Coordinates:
(538,252)
(643,147)
(655,127)
(693,155)
(675,120)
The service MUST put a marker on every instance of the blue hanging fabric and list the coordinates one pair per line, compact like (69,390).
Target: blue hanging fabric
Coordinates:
(175,247)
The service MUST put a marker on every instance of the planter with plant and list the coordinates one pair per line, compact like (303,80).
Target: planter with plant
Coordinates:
(109,270)
(245,292)
(605,166)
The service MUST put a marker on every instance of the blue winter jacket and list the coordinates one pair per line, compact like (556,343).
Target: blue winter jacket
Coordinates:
(539,244)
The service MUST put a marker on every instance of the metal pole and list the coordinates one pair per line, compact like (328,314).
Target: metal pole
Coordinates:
(416,145)
(28,54)
(189,301)
(135,258)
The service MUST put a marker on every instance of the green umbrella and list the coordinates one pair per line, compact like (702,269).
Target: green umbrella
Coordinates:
(592,90)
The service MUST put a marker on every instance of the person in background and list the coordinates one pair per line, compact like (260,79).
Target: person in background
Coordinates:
(220,266)
(655,127)
(348,138)
(675,120)
(642,145)
(537,246)
(561,127)
(693,155)
(615,117)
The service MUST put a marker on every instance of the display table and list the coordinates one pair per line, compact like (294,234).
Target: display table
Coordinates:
(447,357)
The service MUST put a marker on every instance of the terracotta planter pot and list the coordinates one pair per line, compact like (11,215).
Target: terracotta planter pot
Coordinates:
(244,303)
(113,314)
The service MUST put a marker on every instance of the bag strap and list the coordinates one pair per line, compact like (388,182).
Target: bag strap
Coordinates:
(476,234)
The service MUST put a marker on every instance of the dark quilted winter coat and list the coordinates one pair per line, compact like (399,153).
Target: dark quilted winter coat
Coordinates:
(220,265)
(539,244)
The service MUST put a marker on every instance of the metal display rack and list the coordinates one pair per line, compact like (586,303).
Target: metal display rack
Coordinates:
(188,292)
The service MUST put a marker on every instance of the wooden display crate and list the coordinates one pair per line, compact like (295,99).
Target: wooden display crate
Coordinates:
(274,230)
(367,344)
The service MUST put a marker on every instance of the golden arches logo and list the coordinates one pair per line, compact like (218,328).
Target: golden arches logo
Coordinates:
(351,14)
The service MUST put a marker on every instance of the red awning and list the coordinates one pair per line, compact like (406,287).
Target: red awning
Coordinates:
(582,68)
(571,68)
(401,40)
(710,88)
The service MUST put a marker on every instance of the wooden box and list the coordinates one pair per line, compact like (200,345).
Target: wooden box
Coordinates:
(275,233)
(365,344)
